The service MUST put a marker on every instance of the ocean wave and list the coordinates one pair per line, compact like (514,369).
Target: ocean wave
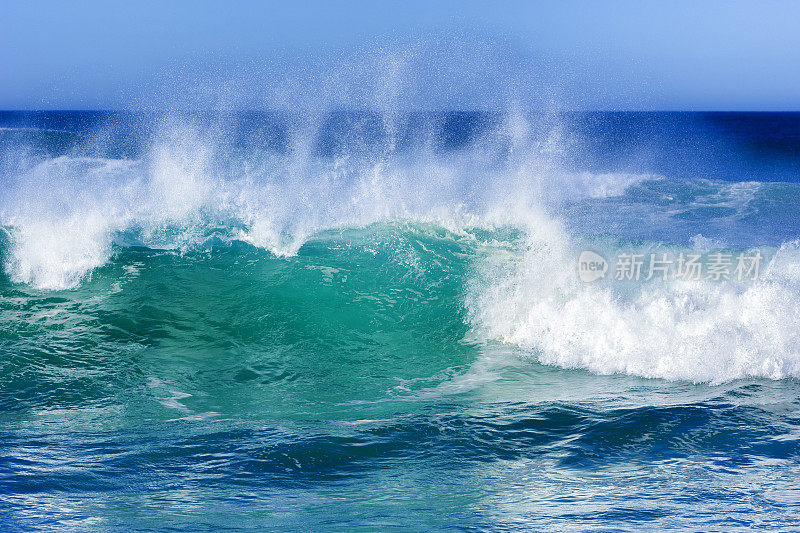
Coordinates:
(506,196)
(699,331)
(66,213)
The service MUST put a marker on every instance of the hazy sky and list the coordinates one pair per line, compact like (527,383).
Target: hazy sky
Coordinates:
(247,54)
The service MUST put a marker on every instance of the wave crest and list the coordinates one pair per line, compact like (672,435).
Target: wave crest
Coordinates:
(66,213)
(700,331)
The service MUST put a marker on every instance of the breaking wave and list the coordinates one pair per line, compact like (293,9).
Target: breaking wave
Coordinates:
(518,211)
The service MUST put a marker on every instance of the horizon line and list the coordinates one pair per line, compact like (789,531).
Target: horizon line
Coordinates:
(373,110)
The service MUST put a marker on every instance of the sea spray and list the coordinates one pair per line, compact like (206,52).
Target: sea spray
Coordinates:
(196,185)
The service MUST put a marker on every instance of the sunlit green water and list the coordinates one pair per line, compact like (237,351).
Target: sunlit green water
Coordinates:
(366,321)
(225,387)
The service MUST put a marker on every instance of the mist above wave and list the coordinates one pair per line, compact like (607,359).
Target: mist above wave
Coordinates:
(65,213)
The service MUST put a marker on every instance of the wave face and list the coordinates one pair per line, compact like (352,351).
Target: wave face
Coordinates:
(309,300)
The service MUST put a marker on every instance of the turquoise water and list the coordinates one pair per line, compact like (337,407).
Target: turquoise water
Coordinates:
(200,336)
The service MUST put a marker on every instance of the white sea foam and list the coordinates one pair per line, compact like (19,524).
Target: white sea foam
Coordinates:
(66,213)
(700,331)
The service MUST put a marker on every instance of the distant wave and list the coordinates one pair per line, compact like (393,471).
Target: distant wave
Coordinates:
(34,129)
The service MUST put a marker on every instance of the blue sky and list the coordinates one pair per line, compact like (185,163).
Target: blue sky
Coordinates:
(247,54)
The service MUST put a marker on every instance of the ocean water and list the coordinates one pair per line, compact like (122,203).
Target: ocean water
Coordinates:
(365,321)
